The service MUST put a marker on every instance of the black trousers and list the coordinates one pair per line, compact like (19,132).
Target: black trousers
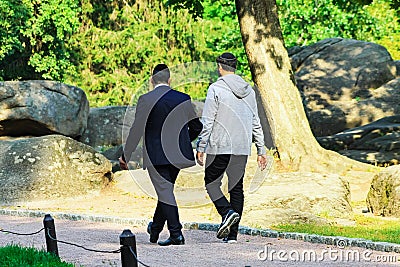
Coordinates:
(234,166)
(163,178)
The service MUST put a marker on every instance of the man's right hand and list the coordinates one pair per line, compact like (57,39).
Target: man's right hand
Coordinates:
(123,164)
(262,161)
(200,158)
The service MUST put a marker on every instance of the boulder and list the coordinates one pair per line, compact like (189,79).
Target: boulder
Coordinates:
(48,167)
(105,126)
(42,107)
(198,107)
(383,102)
(297,198)
(109,126)
(113,153)
(375,143)
(338,79)
(384,195)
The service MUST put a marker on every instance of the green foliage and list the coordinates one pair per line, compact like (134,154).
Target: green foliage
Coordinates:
(108,47)
(10,25)
(16,256)
(13,14)
(309,21)
(34,38)
(48,31)
(224,10)
(115,61)
(388,25)
(395,5)
(194,7)
(228,37)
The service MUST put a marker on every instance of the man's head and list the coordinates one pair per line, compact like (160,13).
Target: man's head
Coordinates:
(161,74)
(227,62)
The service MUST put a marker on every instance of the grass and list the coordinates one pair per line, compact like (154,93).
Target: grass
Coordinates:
(370,228)
(16,256)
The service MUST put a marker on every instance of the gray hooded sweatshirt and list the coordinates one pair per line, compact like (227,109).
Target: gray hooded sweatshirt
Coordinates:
(230,119)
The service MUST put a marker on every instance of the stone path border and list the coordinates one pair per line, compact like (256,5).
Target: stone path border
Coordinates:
(312,238)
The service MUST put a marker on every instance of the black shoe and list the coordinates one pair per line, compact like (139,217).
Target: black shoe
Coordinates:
(153,235)
(230,218)
(180,240)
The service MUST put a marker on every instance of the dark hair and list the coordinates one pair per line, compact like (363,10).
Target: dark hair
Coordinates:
(161,74)
(228,61)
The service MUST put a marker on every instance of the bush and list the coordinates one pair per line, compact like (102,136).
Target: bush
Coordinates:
(108,48)
(116,60)
(34,38)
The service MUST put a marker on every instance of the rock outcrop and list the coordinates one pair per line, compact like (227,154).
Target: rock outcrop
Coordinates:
(375,143)
(113,153)
(297,198)
(108,126)
(37,108)
(345,83)
(105,125)
(384,195)
(48,167)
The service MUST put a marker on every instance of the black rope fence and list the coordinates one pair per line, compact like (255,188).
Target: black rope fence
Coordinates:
(79,246)
(14,233)
(127,241)
(134,255)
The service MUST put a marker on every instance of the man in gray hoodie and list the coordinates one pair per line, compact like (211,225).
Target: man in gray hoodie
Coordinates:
(230,125)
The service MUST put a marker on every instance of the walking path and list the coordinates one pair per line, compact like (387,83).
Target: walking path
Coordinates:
(202,248)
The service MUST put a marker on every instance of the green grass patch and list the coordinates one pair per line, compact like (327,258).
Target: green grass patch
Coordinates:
(370,228)
(13,255)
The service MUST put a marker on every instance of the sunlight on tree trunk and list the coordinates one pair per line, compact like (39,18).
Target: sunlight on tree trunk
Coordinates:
(272,73)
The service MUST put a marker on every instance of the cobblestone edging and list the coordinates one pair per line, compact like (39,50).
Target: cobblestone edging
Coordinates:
(338,241)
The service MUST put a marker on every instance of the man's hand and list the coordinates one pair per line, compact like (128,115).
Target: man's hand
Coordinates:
(262,161)
(122,164)
(200,158)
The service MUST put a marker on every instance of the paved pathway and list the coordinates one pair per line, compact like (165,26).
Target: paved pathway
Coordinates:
(201,249)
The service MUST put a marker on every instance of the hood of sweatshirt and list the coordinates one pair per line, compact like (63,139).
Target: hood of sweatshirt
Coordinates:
(239,87)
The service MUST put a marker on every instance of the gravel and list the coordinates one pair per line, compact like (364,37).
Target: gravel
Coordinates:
(202,248)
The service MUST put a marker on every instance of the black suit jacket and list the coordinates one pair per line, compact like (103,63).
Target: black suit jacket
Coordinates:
(166,120)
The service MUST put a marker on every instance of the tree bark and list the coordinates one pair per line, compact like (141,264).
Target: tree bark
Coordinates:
(274,79)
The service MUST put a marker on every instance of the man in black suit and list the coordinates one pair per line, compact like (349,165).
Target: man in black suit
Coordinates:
(166,120)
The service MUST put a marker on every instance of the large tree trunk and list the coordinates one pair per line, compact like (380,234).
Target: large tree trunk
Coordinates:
(272,73)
